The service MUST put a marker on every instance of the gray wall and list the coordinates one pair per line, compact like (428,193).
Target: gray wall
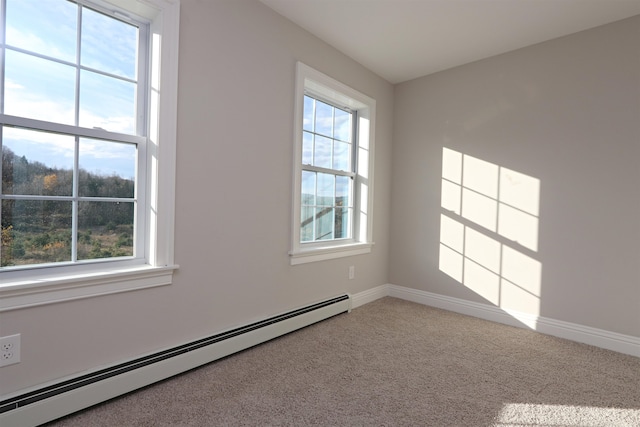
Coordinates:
(566,112)
(234,185)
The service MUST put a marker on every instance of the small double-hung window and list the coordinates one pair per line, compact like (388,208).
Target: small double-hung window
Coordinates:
(333,181)
(87,133)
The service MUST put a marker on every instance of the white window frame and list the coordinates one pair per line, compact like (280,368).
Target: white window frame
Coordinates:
(318,85)
(40,285)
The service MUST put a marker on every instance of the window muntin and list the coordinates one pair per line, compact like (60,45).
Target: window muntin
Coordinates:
(72,132)
(327,172)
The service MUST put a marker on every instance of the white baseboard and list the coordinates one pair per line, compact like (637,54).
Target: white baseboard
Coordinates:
(370,295)
(626,344)
(457,305)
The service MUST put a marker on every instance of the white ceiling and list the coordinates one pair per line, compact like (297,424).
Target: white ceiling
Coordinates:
(404,39)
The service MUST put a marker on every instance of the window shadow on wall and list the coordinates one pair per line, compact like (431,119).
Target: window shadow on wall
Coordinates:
(489,231)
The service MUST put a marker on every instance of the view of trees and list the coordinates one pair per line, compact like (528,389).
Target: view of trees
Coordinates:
(38,230)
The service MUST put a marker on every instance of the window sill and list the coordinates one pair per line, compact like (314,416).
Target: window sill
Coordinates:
(35,291)
(315,254)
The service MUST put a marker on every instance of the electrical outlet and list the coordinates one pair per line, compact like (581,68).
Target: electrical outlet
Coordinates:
(352,272)
(9,350)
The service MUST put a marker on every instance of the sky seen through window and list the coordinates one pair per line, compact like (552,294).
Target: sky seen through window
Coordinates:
(40,83)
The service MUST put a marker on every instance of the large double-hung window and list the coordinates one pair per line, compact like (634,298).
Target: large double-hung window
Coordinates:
(333,180)
(73,134)
(80,107)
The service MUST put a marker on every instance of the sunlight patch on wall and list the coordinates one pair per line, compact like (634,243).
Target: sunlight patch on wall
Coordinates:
(489,212)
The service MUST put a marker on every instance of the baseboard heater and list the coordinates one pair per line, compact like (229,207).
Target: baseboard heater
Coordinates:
(71,395)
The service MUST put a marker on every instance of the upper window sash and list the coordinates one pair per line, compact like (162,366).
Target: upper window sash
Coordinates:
(140,77)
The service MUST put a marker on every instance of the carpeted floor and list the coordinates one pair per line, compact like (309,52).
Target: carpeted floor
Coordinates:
(393,363)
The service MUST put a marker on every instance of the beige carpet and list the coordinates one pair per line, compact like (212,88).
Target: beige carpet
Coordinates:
(393,363)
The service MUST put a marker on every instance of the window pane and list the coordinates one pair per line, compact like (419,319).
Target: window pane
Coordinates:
(36,163)
(342,221)
(324,119)
(307,148)
(322,152)
(324,223)
(308,188)
(343,125)
(307,120)
(105,230)
(326,189)
(35,232)
(341,156)
(107,169)
(47,27)
(108,44)
(343,190)
(307,224)
(107,103)
(39,89)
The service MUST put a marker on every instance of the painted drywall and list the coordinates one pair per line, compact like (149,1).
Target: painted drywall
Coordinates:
(234,185)
(564,114)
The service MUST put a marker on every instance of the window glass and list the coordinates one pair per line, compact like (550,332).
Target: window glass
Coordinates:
(47,27)
(341,156)
(36,232)
(307,218)
(40,89)
(322,152)
(308,206)
(326,189)
(343,188)
(309,113)
(107,103)
(108,45)
(343,202)
(105,229)
(107,169)
(307,148)
(343,125)
(323,119)
(308,188)
(36,163)
(324,224)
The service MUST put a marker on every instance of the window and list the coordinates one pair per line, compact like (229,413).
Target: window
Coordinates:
(334,169)
(84,150)
(327,172)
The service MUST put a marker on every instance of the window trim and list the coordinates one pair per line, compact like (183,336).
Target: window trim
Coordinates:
(316,84)
(51,284)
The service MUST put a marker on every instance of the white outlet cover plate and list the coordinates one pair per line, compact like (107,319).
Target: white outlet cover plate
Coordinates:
(9,350)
